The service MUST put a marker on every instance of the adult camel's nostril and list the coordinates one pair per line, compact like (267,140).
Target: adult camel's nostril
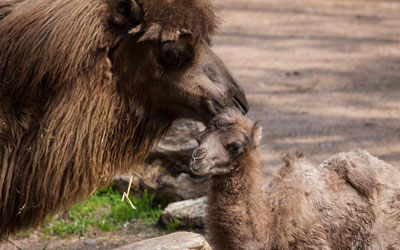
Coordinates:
(199,153)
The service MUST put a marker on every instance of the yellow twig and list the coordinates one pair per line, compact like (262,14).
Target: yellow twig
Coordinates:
(126,194)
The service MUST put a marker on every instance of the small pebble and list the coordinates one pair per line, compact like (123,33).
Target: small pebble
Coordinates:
(90,242)
(369,124)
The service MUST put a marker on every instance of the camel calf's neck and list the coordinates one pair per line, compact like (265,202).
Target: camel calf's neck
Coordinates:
(237,218)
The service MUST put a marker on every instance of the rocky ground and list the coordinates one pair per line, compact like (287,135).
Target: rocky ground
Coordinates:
(321,76)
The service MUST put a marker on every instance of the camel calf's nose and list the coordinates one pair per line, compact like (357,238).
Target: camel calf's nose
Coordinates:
(199,153)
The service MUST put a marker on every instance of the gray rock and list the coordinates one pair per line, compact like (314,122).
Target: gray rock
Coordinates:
(183,187)
(175,149)
(189,213)
(174,241)
(166,172)
(163,185)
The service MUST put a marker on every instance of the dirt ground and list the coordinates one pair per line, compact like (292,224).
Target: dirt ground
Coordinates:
(322,76)
(131,232)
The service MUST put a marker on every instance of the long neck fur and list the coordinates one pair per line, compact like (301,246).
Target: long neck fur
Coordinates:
(237,214)
(70,153)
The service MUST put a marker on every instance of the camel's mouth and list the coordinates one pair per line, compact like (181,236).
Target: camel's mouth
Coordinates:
(200,170)
(197,164)
(240,105)
(209,169)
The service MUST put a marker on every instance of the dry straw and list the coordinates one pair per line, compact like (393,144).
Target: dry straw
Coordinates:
(126,194)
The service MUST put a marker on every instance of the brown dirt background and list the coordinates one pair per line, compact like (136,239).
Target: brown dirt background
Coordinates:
(322,76)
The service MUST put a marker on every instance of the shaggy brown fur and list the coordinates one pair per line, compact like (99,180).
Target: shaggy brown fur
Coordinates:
(351,201)
(87,87)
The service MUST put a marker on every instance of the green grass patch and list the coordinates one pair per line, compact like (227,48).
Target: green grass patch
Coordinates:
(172,225)
(103,211)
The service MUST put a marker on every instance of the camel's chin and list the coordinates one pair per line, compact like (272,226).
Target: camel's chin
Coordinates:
(209,111)
(202,114)
(203,170)
(206,110)
(211,170)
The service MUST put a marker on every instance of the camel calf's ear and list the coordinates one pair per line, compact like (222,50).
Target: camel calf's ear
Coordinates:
(256,134)
(126,13)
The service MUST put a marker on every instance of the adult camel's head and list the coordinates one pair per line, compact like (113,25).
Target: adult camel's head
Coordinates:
(164,51)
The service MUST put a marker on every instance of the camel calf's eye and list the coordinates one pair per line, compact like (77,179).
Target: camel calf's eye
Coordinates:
(234,147)
(175,55)
(224,124)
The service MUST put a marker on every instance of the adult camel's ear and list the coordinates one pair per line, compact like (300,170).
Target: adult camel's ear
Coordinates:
(126,13)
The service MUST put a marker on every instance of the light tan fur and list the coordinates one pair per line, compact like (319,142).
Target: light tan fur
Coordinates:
(351,201)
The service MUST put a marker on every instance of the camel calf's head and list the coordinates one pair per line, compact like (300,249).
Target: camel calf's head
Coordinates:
(164,52)
(225,141)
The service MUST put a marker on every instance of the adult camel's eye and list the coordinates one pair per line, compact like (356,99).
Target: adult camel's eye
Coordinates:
(175,55)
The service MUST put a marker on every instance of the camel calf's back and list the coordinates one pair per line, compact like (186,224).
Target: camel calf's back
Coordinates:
(378,183)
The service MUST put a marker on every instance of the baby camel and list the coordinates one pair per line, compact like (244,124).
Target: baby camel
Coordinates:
(351,201)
